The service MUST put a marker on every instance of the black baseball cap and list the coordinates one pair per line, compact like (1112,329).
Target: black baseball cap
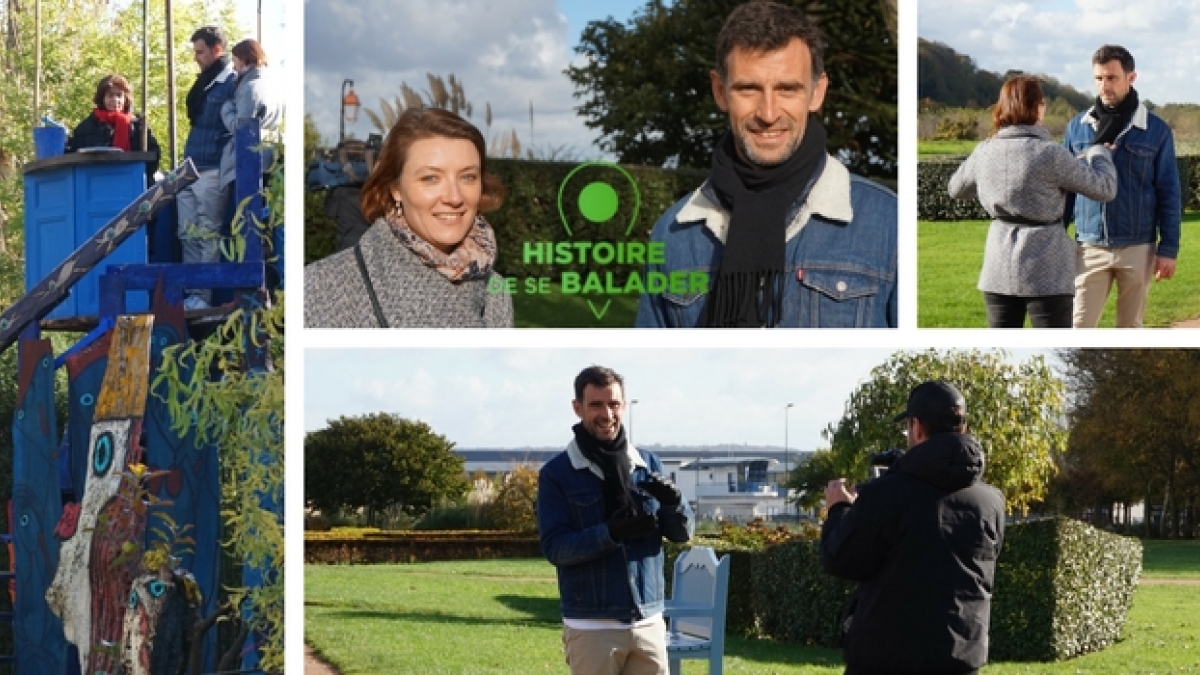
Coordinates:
(933,401)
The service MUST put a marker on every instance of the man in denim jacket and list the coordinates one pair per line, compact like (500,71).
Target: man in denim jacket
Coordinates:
(784,233)
(603,508)
(1133,239)
(202,205)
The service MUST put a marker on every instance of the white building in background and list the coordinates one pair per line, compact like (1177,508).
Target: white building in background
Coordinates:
(727,482)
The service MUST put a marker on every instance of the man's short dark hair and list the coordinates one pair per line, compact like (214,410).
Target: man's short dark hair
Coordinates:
(762,26)
(1114,53)
(597,376)
(212,36)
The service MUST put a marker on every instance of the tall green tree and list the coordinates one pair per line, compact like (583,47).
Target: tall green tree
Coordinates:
(1135,428)
(379,460)
(1016,410)
(645,83)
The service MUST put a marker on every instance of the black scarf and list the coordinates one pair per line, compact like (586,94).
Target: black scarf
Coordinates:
(196,95)
(748,291)
(1112,121)
(613,460)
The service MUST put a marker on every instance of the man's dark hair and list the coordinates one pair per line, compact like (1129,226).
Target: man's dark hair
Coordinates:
(597,376)
(762,26)
(212,36)
(1114,53)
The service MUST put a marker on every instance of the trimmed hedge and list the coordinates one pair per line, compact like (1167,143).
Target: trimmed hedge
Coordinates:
(530,211)
(392,547)
(934,203)
(797,600)
(1063,588)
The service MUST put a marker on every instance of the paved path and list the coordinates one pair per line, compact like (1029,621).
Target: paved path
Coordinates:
(315,666)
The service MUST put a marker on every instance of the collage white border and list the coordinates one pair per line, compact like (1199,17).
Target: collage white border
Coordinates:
(907,336)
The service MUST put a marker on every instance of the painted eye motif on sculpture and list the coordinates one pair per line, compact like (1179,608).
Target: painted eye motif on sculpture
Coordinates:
(102,454)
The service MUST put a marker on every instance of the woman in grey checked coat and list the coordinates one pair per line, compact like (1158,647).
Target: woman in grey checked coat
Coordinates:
(427,261)
(1021,176)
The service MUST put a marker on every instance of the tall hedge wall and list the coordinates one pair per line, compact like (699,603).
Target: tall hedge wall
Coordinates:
(1063,588)
(530,213)
(934,203)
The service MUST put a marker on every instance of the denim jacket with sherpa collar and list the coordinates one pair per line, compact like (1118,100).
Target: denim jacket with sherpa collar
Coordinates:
(840,255)
(1147,209)
(599,578)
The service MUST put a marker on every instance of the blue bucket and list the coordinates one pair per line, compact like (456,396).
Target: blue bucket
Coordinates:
(49,141)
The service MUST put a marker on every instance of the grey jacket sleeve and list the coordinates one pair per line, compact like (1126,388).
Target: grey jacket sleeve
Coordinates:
(963,183)
(1094,177)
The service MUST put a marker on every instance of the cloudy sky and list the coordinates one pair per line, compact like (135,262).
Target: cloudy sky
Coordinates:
(522,397)
(507,53)
(1058,37)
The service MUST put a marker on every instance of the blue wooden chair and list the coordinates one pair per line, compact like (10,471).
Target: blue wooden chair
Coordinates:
(696,609)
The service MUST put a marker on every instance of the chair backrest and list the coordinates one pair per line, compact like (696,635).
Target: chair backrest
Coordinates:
(701,580)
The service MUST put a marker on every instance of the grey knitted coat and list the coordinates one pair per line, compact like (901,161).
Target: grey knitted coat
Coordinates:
(410,294)
(1021,172)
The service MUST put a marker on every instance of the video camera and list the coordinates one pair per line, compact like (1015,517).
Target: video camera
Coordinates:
(882,461)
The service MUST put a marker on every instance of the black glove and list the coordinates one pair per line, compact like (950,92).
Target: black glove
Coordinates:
(661,488)
(622,524)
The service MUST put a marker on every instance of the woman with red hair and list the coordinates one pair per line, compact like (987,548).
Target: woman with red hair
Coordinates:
(1021,176)
(113,124)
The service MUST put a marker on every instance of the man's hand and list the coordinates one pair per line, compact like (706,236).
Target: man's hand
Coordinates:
(661,488)
(1164,268)
(623,525)
(836,492)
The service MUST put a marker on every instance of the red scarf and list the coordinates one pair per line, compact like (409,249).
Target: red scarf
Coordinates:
(120,122)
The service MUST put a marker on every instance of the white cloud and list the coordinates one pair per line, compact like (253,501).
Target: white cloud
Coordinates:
(507,53)
(1058,37)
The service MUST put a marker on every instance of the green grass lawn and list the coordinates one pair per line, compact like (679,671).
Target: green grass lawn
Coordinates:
(936,148)
(501,616)
(950,255)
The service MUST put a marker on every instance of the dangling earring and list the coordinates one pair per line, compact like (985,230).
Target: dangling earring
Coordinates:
(397,211)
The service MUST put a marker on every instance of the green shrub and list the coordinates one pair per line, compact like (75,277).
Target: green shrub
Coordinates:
(934,202)
(960,125)
(1063,588)
(457,517)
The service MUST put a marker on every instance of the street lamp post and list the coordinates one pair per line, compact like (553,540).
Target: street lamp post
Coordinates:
(787,455)
(350,106)
(632,403)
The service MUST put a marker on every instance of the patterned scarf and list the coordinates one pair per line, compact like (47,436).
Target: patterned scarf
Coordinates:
(120,122)
(471,259)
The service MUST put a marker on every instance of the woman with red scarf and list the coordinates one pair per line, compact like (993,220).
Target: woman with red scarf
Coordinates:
(112,124)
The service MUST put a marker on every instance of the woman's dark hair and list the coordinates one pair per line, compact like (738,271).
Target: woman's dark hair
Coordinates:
(415,124)
(117,82)
(1019,100)
(250,52)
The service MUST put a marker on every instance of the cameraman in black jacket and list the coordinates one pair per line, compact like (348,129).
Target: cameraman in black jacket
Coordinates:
(922,542)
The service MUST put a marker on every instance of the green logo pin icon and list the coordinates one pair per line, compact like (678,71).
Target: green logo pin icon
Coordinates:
(598,201)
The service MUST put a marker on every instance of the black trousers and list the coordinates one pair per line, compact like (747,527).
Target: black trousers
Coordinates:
(1045,311)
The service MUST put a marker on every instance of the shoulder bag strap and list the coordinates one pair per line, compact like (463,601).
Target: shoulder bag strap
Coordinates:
(362,267)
